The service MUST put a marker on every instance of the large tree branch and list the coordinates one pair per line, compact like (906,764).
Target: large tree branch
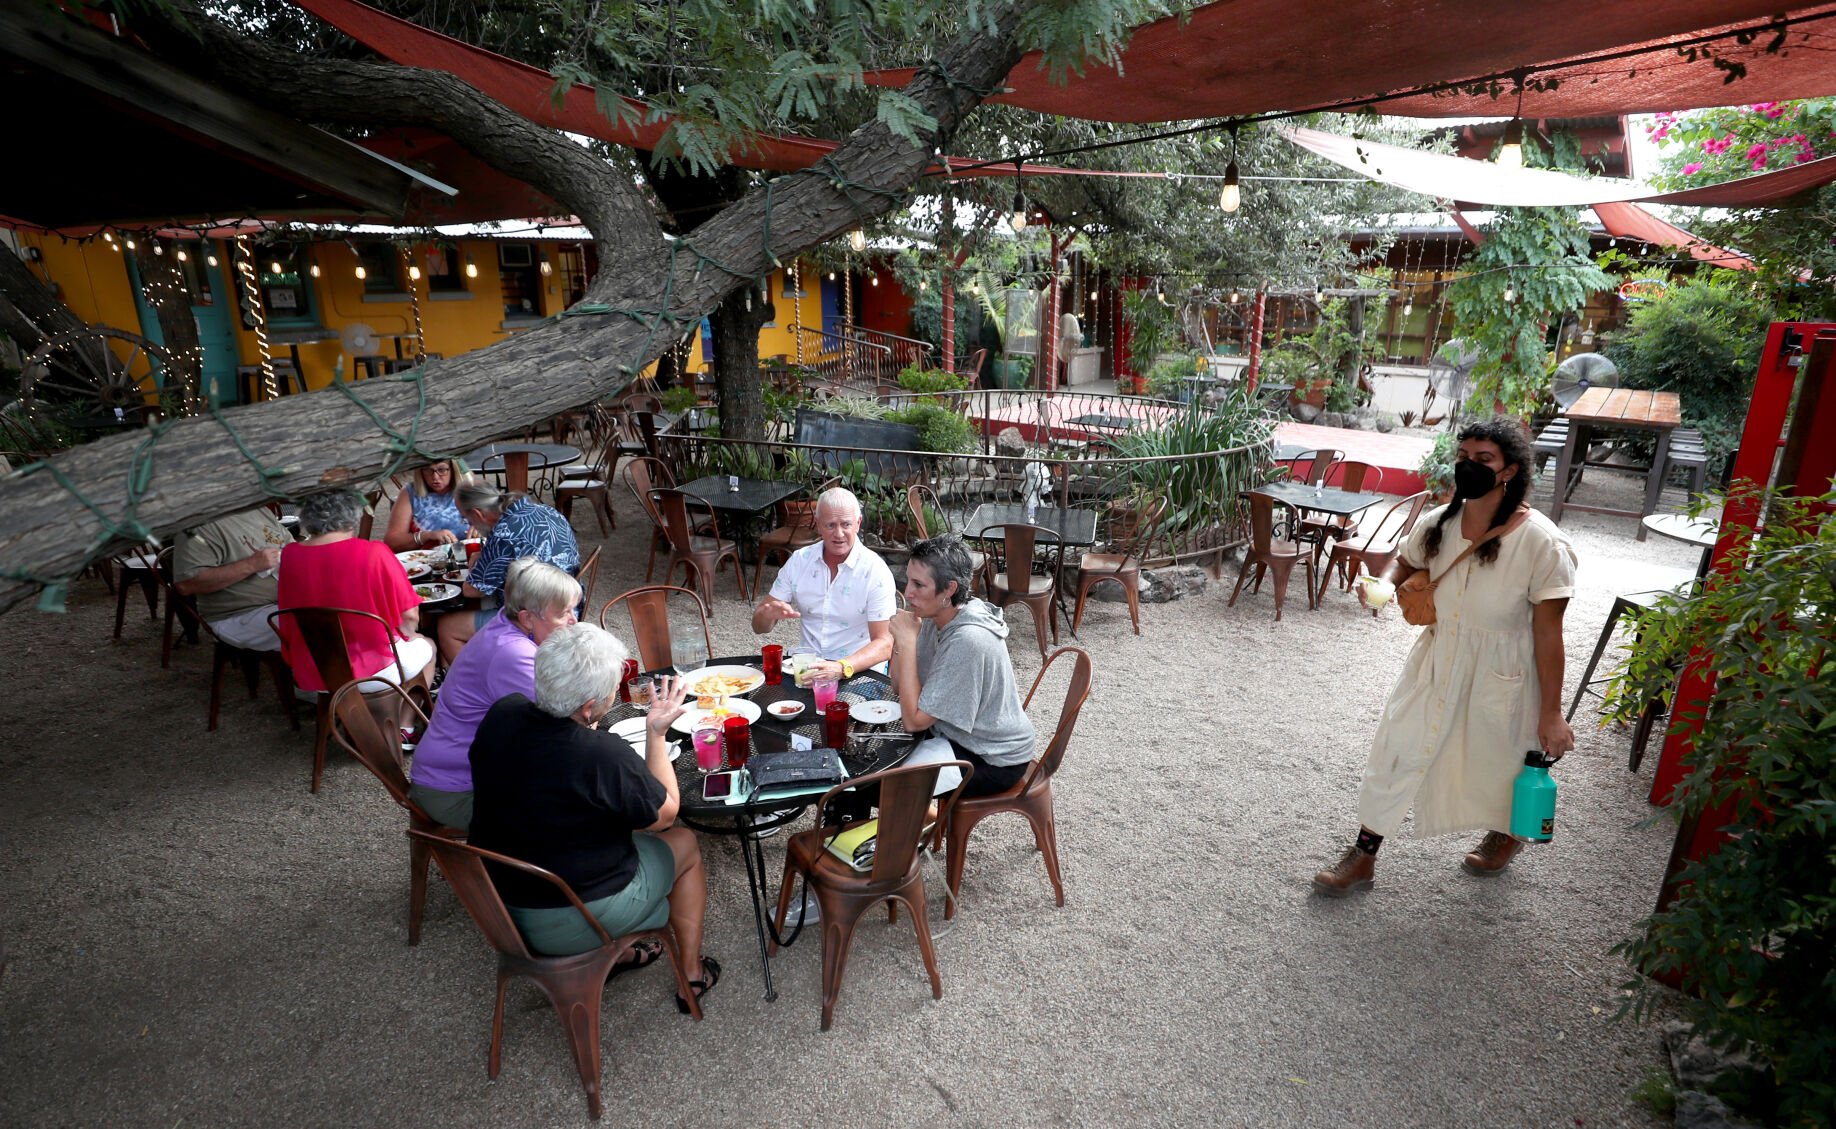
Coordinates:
(321,440)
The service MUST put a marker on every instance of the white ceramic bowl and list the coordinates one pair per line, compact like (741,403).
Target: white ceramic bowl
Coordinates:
(784,711)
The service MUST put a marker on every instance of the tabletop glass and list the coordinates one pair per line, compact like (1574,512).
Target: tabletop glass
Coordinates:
(1323,499)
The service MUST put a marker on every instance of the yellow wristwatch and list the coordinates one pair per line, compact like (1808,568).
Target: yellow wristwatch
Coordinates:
(847,669)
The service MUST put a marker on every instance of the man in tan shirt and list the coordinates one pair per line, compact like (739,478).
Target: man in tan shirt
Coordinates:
(228,566)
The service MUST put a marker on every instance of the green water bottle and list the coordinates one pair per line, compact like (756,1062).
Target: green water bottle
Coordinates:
(1533,800)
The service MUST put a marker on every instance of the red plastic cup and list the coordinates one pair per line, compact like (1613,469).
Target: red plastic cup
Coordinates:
(738,734)
(624,684)
(771,660)
(472,546)
(835,725)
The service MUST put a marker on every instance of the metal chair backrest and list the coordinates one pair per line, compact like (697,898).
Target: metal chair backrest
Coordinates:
(1145,529)
(644,474)
(1319,465)
(1018,543)
(1357,476)
(673,506)
(1076,692)
(464,867)
(635,402)
(323,632)
(648,608)
(588,576)
(920,498)
(1407,511)
(905,799)
(1265,528)
(376,748)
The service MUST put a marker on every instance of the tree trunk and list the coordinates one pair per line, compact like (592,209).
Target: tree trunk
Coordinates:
(652,290)
(736,322)
(164,288)
(29,311)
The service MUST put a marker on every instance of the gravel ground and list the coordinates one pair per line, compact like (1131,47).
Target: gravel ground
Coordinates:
(194,940)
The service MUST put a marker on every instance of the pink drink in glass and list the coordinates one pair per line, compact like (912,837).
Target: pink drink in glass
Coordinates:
(824,689)
(707,749)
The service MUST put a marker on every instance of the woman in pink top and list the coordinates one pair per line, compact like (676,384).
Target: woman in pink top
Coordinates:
(333,568)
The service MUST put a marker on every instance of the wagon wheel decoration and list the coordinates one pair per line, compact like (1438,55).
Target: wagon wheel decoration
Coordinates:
(84,369)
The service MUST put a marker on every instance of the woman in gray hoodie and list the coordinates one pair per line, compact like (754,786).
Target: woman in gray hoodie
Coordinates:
(953,674)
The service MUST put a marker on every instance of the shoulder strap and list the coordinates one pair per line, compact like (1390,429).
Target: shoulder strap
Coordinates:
(1517,519)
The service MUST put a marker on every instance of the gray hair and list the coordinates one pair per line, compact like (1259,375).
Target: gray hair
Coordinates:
(839,498)
(331,512)
(948,560)
(533,585)
(475,494)
(576,666)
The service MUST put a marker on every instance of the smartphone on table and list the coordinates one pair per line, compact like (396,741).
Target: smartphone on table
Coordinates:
(728,786)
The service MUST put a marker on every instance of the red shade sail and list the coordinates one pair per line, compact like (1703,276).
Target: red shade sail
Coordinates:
(1237,58)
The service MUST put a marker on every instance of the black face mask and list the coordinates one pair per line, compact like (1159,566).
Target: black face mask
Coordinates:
(1471,479)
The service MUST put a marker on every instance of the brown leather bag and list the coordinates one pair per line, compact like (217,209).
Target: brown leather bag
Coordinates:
(1415,596)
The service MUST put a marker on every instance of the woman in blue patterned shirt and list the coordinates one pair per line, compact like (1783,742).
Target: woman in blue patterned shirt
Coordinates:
(426,512)
(514,527)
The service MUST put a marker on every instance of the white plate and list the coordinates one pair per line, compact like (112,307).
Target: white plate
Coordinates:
(692,717)
(785,711)
(416,569)
(753,676)
(428,557)
(435,593)
(632,730)
(874,713)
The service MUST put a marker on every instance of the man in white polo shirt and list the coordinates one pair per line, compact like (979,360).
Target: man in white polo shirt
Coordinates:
(840,592)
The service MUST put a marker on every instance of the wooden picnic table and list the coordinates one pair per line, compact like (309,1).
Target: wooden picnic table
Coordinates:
(1617,409)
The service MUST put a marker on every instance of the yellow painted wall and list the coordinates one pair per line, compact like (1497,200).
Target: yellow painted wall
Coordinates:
(92,279)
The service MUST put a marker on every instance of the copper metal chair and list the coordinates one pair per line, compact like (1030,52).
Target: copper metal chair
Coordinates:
(1379,547)
(1032,796)
(1313,467)
(377,745)
(1122,568)
(323,632)
(1272,546)
(642,475)
(922,500)
(575,985)
(648,608)
(699,555)
(588,576)
(596,488)
(137,569)
(845,894)
(1009,575)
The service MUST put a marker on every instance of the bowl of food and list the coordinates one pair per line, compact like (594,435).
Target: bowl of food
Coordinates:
(784,711)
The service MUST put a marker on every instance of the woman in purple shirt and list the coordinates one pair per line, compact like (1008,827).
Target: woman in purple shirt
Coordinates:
(539,599)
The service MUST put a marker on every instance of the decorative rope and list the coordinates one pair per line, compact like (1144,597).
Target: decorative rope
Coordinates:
(246,268)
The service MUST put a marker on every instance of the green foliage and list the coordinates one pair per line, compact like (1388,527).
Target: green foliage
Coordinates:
(1152,329)
(1656,1093)
(1541,256)
(1200,492)
(1167,378)
(940,430)
(781,407)
(1752,935)
(882,499)
(1330,352)
(921,380)
(1702,340)
(1437,465)
(855,407)
(679,399)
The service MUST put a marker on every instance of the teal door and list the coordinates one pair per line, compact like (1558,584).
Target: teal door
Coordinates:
(211,309)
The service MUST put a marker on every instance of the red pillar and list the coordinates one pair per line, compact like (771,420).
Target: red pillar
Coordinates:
(948,291)
(1049,356)
(1255,341)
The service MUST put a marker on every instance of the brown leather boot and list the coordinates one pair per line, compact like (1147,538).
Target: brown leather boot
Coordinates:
(1492,855)
(1355,871)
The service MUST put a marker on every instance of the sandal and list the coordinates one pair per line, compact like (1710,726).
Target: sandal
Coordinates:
(710,971)
(642,953)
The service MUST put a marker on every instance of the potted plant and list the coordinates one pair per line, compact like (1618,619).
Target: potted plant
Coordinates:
(1152,331)
(1014,370)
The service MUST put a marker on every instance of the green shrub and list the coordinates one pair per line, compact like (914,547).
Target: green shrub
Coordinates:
(921,380)
(940,430)
(1200,493)
(1701,340)
(1437,465)
(1165,378)
(679,399)
(1751,936)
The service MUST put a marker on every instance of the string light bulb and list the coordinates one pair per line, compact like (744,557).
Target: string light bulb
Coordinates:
(1510,293)
(857,241)
(414,273)
(1230,198)
(1319,294)
(182,256)
(362,273)
(211,259)
(108,237)
(1093,295)
(1408,305)
(831,276)
(874,280)
(471,268)
(130,243)
(547,268)
(1017,220)
(158,247)
(1235,297)
(1511,149)
(274,267)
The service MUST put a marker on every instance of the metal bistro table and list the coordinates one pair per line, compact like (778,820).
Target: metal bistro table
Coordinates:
(1076,529)
(865,754)
(739,509)
(1690,530)
(1616,409)
(1323,499)
(515,460)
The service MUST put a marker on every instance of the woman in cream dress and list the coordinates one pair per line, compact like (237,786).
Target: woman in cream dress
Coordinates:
(1483,685)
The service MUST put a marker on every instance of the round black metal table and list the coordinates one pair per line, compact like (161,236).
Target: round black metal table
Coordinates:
(871,748)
